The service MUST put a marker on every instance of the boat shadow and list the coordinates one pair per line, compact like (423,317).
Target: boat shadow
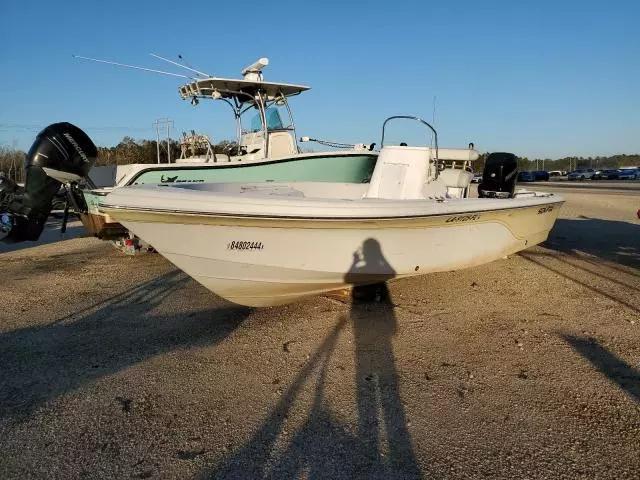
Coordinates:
(616,369)
(611,240)
(41,363)
(601,256)
(52,233)
(324,446)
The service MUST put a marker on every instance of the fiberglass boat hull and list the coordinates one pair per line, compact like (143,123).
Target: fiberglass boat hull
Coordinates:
(260,261)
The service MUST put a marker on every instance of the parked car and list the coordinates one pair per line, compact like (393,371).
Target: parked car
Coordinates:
(556,173)
(608,174)
(541,175)
(628,174)
(582,174)
(477,178)
(526,177)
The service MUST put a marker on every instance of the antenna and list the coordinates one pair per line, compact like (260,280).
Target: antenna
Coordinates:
(206,75)
(130,66)
(433,116)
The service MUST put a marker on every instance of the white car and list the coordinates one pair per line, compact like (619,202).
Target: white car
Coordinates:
(582,174)
(477,178)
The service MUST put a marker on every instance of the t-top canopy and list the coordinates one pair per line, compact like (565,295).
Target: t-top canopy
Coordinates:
(229,88)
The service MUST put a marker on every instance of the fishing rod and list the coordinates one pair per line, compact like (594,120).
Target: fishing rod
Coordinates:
(132,66)
(184,61)
(206,75)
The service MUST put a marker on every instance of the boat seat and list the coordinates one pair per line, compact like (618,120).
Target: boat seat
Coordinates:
(281,144)
(458,154)
(456,180)
(251,146)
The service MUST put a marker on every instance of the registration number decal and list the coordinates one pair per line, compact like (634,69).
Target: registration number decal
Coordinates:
(244,245)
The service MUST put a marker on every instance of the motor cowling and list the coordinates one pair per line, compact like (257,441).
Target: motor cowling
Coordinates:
(61,153)
(499,176)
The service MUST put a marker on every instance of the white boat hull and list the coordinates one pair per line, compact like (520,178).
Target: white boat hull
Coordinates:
(258,261)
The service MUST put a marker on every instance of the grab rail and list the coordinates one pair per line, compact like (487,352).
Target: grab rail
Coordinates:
(409,117)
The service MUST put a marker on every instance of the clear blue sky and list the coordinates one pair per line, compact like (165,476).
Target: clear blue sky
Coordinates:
(540,79)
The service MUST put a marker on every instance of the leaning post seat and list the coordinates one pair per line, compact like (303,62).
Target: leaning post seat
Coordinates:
(456,180)
(281,144)
(457,177)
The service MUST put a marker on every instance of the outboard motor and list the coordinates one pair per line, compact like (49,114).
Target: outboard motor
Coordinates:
(61,154)
(499,176)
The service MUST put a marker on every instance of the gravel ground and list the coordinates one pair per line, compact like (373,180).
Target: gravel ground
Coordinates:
(529,367)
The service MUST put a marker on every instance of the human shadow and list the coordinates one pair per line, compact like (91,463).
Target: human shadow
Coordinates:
(323,446)
(41,363)
(627,377)
(611,240)
(377,381)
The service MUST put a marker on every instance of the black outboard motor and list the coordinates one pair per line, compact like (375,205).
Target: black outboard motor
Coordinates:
(61,154)
(499,176)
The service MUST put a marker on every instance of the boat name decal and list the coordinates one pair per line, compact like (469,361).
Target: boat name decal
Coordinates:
(546,209)
(463,218)
(242,245)
(175,179)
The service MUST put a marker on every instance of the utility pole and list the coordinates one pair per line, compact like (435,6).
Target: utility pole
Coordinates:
(168,123)
(158,141)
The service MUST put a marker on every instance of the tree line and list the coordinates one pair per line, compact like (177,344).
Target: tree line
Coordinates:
(146,151)
(568,164)
(126,152)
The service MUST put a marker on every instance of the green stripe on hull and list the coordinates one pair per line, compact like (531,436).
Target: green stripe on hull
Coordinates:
(348,169)
(341,169)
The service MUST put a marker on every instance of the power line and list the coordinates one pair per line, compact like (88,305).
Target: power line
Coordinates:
(27,128)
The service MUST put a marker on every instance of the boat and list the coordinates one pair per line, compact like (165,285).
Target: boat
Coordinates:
(271,243)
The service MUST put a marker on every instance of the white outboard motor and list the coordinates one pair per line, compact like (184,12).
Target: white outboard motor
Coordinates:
(61,154)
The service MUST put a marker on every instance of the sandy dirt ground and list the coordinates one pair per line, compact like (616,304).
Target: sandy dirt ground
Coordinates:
(529,367)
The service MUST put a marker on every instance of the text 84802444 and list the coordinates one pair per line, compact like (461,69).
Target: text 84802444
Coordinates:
(244,245)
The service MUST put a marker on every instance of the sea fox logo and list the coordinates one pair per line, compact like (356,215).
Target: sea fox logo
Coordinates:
(164,179)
